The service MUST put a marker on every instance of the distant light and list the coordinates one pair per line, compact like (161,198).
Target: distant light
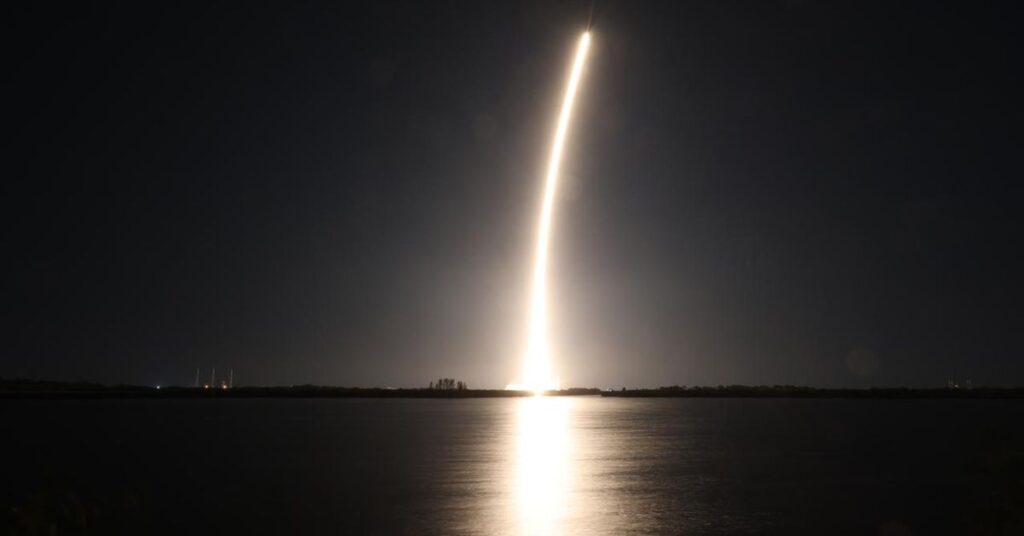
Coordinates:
(206,386)
(157,386)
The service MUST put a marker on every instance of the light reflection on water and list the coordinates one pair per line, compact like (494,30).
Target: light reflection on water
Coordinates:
(532,466)
(544,471)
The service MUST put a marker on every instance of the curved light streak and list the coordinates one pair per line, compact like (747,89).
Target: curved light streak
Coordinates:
(538,375)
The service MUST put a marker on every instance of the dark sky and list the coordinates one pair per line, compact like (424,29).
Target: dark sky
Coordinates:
(820,193)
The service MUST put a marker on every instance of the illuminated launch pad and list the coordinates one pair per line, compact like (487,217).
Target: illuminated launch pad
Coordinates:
(538,370)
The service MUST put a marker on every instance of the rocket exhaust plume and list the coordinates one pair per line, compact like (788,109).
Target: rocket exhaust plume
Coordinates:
(538,374)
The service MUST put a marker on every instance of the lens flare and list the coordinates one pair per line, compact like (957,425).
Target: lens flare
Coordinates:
(538,374)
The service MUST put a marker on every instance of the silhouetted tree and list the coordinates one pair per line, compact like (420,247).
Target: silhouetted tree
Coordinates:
(449,384)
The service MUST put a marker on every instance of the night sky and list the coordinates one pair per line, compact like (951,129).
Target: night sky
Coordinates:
(822,193)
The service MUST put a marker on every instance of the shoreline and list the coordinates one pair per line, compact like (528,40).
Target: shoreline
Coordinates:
(47,390)
(134,392)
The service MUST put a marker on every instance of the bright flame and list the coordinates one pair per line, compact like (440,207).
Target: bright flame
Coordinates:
(538,375)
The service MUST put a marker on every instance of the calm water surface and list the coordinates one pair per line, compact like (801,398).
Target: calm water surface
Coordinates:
(541,466)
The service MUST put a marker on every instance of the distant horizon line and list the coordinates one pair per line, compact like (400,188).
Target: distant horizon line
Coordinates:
(950,385)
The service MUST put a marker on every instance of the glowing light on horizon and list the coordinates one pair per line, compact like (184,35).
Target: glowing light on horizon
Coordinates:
(538,374)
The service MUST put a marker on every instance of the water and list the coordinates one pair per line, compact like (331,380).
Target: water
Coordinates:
(582,465)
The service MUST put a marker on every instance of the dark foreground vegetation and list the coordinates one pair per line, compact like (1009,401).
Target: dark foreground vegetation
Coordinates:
(796,391)
(21,388)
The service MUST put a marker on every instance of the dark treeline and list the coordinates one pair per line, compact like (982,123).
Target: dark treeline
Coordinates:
(28,385)
(445,388)
(797,391)
(451,388)
(448,384)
